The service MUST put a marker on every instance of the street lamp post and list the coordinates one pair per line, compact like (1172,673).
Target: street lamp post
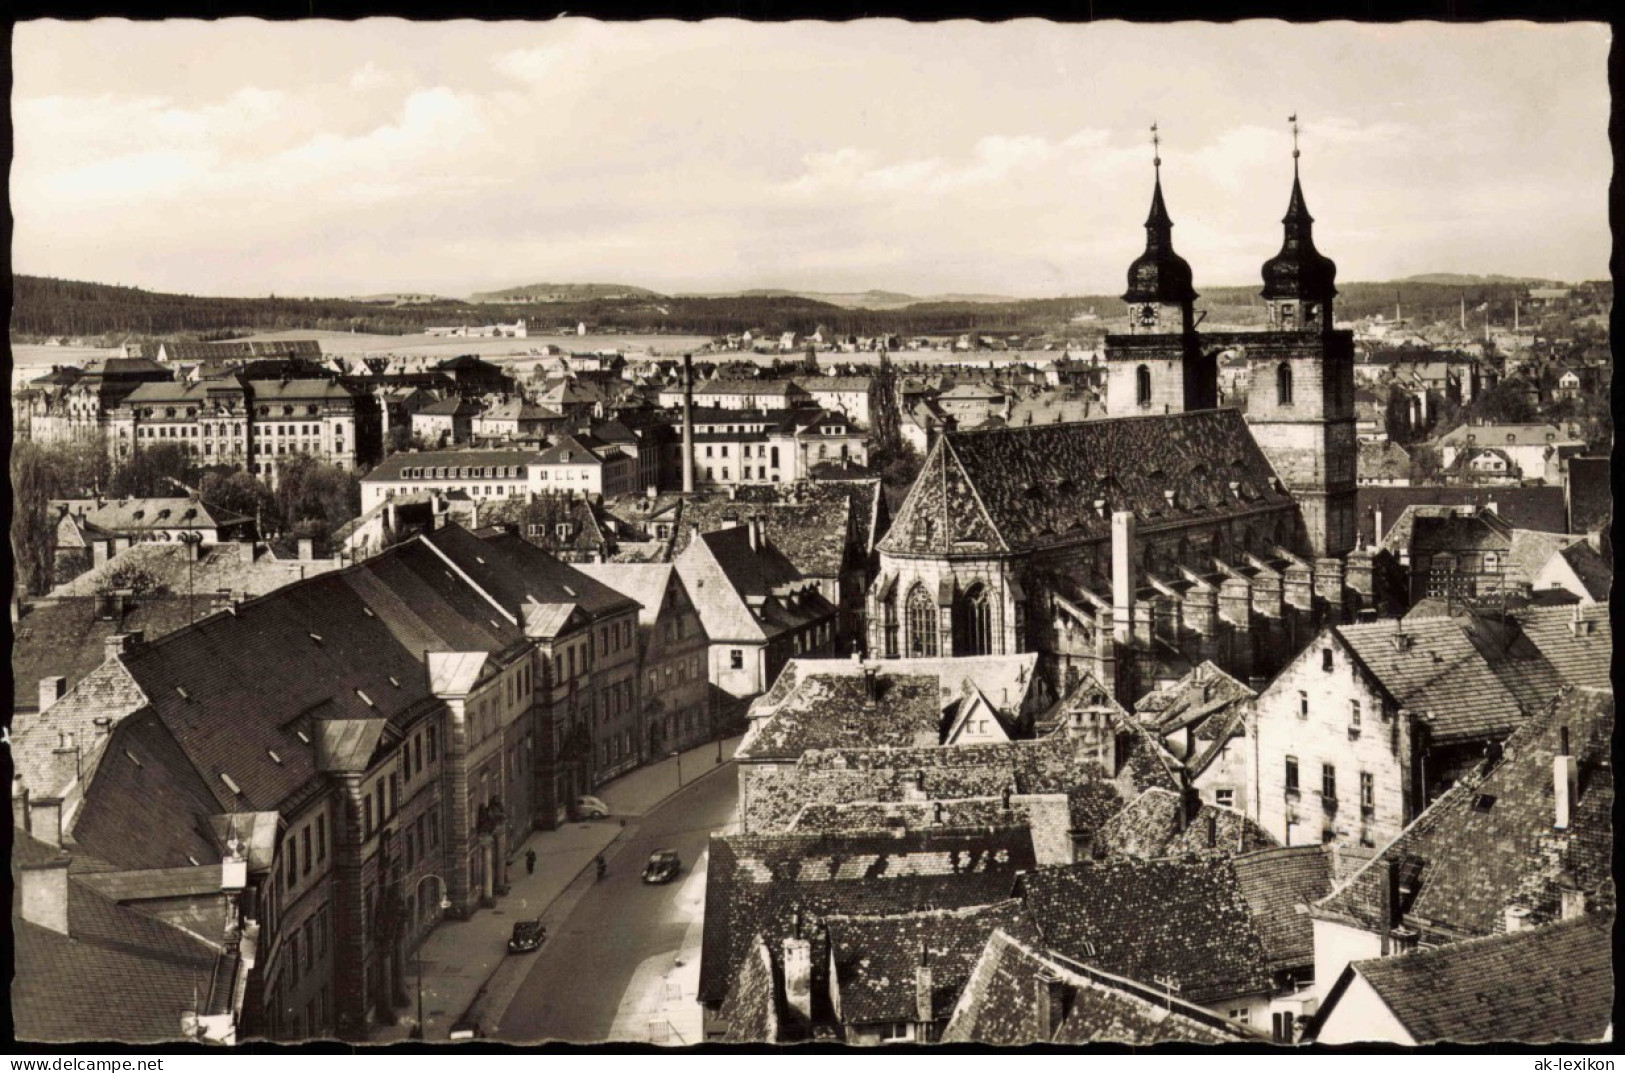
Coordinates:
(445,903)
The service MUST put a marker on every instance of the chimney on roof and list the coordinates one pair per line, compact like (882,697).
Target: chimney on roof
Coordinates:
(871,687)
(117,644)
(51,690)
(938,814)
(1212,828)
(307,550)
(753,530)
(688,424)
(45,819)
(19,804)
(924,1008)
(1516,918)
(1565,783)
(1123,580)
(45,894)
(798,976)
(1573,901)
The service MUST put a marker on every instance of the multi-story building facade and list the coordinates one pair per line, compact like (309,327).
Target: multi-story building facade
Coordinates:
(675,691)
(256,424)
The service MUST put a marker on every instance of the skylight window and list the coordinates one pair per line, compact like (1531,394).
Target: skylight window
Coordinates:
(275,759)
(136,760)
(365,699)
(184,694)
(396,682)
(231,784)
(316,637)
(302,736)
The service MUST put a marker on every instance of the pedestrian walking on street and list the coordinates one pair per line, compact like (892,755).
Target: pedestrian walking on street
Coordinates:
(530,862)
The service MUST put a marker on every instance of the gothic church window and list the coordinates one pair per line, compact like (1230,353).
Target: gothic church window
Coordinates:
(922,623)
(976,624)
(1142,386)
(1283,384)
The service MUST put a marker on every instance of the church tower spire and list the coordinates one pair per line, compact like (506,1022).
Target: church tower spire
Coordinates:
(1299,282)
(1159,367)
(1160,296)
(1300,399)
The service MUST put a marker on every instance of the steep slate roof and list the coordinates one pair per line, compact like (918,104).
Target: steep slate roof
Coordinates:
(1184,918)
(1542,985)
(644,582)
(1596,574)
(65,637)
(1275,883)
(1581,660)
(1383,461)
(725,576)
(157,513)
(1489,842)
(1014,489)
(1441,675)
(757,884)
(1534,434)
(1148,827)
(877,958)
(751,1010)
(998,1005)
(1535,507)
(219,566)
(814,533)
(390,468)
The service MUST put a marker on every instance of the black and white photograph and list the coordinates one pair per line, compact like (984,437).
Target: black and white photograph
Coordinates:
(871,534)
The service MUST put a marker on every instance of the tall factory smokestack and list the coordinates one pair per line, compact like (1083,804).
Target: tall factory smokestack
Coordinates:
(688,424)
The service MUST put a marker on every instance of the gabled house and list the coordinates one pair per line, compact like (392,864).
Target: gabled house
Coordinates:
(758,610)
(1551,984)
(1523,840)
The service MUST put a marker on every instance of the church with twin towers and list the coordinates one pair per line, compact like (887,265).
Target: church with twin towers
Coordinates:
(1174,529)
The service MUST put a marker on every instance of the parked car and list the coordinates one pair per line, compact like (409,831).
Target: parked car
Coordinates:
(591,808)
(466,1030)
(527,935)
(663,866)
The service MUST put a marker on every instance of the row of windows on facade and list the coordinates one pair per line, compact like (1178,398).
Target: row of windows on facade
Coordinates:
(612,638)
(684,670)
(1328,784)
(311,410)
(1283,385)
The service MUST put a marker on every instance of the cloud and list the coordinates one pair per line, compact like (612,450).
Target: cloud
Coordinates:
(369,76)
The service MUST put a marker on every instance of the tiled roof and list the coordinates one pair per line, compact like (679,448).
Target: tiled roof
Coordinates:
(1034,486)
(999,1006)
(814,533)
(1383,461)
(516,572)
(390,468)
(726,578)
(1148,827)
(1489,840)
(1439,673)
(644,582)
(830,712)
(877,958)
(1553,984)
(456,407)
(242,568)
(1581,659)
(1184,918)
(520,410)
(1534,507)
(756,885)
(1499,435)
(751,1010)
(65,637)
(147,804)
(1596,574)
(1278,884)
(145,515)
(1532,549)
(819,703)
(108,692)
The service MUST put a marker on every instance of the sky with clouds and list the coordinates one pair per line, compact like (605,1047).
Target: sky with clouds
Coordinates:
(244,158)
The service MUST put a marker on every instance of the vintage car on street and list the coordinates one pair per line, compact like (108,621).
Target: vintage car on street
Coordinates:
(663,866)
